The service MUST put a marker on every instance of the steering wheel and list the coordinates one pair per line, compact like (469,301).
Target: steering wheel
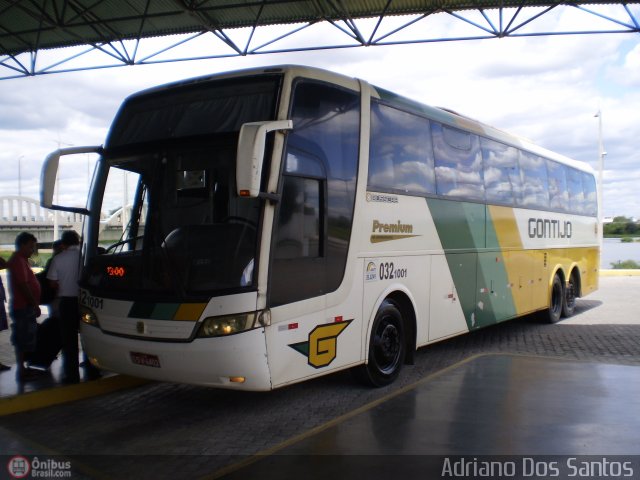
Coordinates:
(122,242)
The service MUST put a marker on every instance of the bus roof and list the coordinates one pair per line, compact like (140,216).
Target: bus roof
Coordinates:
(439,114)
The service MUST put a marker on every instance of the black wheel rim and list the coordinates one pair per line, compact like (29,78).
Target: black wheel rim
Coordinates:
(387,345)
(556,298)
(570,295)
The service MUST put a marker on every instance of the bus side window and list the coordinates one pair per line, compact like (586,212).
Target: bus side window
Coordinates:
(558,194)
(501,173)
(590,195)
(458,161)
(401,154)
(535,181)
(576,192)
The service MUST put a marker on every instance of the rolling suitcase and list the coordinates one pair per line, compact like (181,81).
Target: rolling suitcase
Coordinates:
(48,344)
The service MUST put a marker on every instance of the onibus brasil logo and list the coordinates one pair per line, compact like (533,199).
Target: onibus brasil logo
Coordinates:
(20,467)
(322,347)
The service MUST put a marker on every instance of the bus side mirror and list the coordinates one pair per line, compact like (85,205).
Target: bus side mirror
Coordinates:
(251,145)
(50,174)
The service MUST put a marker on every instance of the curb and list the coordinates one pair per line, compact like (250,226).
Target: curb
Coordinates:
(55,396)
(620,273)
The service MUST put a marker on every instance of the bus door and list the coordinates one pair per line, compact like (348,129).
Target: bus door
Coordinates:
(311,235)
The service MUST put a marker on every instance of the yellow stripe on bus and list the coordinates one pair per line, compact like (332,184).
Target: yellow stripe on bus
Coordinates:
(190,311)
(525,268)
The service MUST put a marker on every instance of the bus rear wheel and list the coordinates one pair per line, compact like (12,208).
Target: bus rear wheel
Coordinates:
(570,295)
(387,347)
(556,301)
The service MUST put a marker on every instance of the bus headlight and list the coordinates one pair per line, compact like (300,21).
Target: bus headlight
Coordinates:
(87,316)
(227,325)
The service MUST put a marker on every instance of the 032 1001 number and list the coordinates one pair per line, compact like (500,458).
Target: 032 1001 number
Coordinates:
(387,271)
(90,301)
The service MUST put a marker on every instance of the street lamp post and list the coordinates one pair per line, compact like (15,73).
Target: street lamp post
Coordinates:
(601,155)
(20,186)
(20,175)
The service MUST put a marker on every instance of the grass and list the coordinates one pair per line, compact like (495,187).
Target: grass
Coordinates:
(625,265)
(622,235)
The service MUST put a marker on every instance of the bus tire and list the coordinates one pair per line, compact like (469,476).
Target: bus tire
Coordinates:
(570,295)
(556,301)
(387,347)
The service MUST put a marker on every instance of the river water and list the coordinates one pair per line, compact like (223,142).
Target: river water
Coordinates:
(613,250)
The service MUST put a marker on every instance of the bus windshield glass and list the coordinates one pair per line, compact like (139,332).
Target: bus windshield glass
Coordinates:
(186,235)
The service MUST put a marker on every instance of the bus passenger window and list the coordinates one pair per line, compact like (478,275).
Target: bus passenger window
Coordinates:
(558,195)
(501,174)
(535,193)
(401,155)
(576,192)
(458,161)
(590,195)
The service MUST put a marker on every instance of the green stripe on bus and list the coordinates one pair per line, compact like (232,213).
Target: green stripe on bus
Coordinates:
(141,310)
(480,276)
(165,311)
(153,311)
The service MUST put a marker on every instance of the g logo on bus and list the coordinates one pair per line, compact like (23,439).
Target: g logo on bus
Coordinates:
(322,347)
(140,327)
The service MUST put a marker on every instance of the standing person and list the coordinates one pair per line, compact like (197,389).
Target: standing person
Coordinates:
(63,274)
(48,295)
(3,313)
(25,302)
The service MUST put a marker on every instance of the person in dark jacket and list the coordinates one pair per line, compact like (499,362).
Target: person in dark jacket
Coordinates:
(63,275)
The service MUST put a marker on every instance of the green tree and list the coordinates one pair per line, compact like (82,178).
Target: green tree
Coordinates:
(621,225)
(627,264)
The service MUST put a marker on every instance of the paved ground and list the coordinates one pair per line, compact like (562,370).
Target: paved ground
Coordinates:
(178,431)
(532,416)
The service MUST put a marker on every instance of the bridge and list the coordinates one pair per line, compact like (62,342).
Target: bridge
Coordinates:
(19,214)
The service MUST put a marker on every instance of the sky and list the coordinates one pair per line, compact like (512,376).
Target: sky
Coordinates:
(547,89)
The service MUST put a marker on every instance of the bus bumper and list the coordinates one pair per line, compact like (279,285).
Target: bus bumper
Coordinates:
(236,362)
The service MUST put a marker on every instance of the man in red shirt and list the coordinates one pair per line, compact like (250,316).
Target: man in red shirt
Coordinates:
(4,325)
(25,299)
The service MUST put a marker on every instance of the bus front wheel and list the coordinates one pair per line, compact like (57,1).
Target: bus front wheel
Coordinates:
(387,347)
(556,301)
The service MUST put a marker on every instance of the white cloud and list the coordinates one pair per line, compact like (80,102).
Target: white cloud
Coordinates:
(628,74)
(546,89)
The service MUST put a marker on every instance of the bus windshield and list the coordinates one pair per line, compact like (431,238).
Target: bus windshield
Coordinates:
(171,163)
(186,233)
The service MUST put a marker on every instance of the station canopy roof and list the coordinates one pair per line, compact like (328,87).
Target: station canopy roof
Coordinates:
(28,27)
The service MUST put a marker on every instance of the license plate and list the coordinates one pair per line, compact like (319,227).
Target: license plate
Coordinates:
(145,359)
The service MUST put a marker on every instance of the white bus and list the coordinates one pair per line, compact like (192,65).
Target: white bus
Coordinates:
(290,222)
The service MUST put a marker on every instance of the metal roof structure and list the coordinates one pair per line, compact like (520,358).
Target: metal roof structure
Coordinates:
(48,36)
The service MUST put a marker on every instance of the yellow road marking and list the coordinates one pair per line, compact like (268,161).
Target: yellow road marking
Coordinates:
(70,393)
